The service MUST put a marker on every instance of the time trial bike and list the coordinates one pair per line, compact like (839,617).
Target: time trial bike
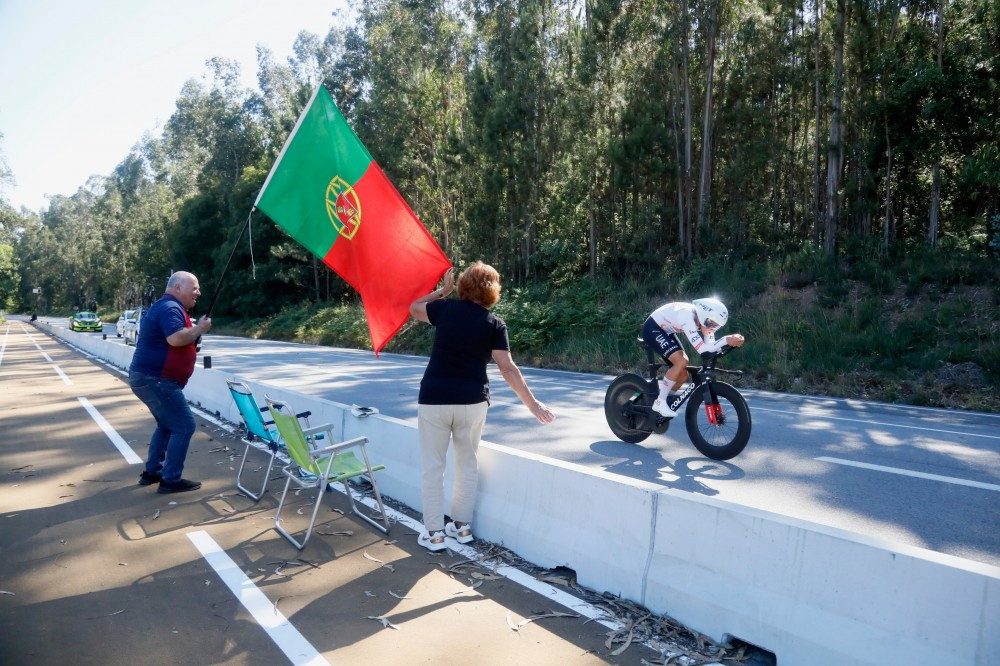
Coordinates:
(717,416)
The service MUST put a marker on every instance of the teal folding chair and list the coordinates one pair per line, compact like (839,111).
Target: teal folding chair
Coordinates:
(257,429)
(315,466)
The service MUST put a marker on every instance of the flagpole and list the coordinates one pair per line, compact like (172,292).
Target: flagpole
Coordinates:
(218,287)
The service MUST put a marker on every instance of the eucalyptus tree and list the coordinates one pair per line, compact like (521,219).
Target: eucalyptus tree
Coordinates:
(410,114)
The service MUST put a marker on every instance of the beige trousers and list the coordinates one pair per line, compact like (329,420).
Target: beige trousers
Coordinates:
(437,424)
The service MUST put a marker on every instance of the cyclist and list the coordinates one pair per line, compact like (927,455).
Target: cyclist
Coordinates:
(699,320)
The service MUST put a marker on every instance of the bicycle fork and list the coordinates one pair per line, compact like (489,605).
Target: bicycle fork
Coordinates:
(713,410)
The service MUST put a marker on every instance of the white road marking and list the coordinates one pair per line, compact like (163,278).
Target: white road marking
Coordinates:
(130,456)
(906,472)
(62,374)
(278,628)
(30,336)
(878,423)
(47,357)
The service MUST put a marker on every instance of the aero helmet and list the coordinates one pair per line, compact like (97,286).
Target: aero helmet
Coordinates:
(711,312)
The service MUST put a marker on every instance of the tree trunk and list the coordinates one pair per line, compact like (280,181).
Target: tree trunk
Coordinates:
(887,220)
(834,152)
(816,187)
(315,267)
(593,234)
(935,212)
(679,170)
(688,193)
(705,178)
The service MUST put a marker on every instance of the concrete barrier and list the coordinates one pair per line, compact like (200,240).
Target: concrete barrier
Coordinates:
(808,593)
(815,594)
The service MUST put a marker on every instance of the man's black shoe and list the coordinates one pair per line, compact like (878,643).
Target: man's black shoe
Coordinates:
(147,479)
(178,486)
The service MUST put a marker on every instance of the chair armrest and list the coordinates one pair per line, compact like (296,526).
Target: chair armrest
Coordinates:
(263,409)
(303,415)
(326,427)
(349,444)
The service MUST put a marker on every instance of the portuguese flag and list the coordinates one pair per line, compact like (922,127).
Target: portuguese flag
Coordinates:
(328,193)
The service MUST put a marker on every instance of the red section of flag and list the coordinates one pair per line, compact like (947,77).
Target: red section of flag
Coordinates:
(391,261)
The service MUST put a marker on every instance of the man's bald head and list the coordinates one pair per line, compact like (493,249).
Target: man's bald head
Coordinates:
(184,286)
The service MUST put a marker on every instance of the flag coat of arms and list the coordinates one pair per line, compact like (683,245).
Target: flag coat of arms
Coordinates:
(328,193)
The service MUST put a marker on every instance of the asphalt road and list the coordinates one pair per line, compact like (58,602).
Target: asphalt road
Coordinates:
(925,477)
(95,569)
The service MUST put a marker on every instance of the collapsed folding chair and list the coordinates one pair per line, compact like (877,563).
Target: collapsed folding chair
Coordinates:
(313,466)
(257,430)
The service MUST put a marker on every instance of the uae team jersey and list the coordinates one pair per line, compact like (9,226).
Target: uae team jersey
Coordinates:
(153,354)
(679,318)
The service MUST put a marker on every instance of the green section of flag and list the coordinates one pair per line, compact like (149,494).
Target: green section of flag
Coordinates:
(321,147)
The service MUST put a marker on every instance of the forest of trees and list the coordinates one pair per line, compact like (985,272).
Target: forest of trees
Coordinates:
(560,139)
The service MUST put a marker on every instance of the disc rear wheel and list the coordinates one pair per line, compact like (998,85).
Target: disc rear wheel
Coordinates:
(625,391)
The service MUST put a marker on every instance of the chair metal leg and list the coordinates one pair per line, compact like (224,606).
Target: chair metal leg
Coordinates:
(267,475)
(368,519)
(277,517)
(384,527)
(320,486)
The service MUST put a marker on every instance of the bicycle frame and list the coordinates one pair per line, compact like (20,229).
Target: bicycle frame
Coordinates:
(699,375)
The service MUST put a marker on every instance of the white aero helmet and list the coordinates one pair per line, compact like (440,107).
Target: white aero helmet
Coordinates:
(711,312)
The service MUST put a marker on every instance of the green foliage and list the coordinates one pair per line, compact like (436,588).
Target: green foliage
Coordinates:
(934,348)
(9,278)
(566,148)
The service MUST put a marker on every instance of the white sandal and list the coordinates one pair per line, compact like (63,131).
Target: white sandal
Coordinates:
(426,540)
(461,534)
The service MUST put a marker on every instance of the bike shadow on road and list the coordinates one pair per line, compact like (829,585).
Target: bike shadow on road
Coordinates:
(645,464)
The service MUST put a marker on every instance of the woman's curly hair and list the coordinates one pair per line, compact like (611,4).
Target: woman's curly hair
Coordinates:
(480,283)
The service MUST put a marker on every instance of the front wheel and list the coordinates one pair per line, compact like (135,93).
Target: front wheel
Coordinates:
(719,431)
(625,390)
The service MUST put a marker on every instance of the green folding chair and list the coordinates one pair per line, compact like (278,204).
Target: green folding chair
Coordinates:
(314,465)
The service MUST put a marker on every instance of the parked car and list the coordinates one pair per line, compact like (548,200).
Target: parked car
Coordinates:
(85,321)
(130,331)
(120,326)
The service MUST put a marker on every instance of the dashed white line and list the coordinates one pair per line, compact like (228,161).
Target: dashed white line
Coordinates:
(906,472)
(278,628)
(62,374)
(814,415)
(130,456)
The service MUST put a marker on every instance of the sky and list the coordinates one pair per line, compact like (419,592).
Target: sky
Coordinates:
(81,81)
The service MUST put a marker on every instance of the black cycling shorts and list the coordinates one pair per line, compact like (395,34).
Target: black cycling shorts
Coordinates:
(663,342)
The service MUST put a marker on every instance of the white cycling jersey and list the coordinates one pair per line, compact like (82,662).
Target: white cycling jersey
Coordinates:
(680,318)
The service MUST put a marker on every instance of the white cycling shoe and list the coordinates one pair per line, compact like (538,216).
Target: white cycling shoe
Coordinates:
(661,408)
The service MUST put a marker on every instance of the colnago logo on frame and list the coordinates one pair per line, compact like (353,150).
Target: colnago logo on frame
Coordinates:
(343,207)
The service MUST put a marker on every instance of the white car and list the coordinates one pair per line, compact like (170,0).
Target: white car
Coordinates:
(130,330)
(120,326)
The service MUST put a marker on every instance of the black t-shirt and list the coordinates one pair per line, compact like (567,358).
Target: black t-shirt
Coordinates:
(465,336)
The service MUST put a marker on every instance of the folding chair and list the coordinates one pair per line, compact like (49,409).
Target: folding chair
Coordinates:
(315,467)
(257,429)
